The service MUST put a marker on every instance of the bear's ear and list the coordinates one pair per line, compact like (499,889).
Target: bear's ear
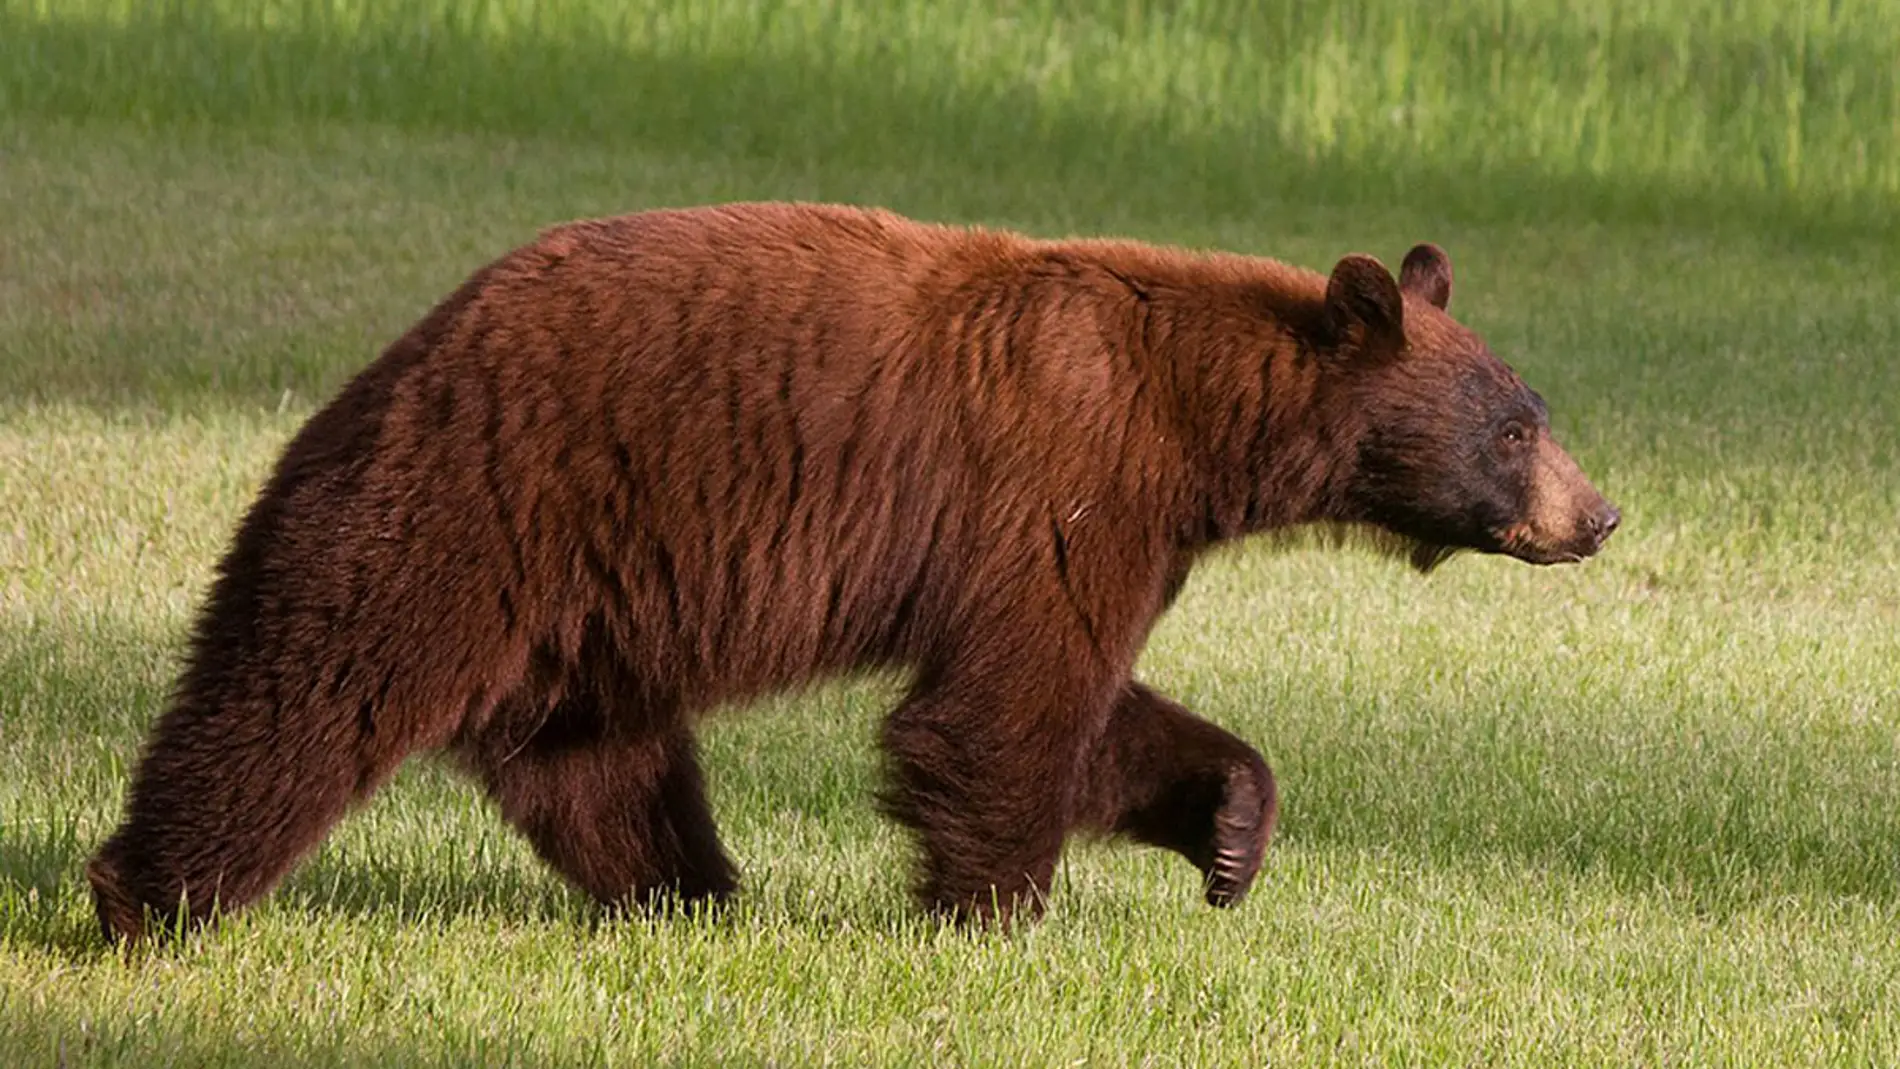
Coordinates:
(1426,274)
(1361,294)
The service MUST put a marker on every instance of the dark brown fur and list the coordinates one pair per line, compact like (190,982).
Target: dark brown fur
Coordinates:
(648,465)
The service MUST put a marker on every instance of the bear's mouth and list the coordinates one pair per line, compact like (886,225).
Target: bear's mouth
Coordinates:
(1522,543)
(1539,555)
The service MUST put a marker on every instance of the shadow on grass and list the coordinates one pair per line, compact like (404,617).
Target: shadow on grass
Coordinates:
(40,878)
(804,107)
(60,1037)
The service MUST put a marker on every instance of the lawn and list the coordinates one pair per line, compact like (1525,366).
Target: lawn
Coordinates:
(1642,811)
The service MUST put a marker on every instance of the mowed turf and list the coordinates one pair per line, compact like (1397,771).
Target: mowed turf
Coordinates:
(1642,811)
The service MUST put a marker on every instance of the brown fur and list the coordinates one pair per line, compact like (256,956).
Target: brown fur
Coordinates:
(647,465)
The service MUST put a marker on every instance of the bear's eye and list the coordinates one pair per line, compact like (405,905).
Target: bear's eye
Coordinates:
(1514,433)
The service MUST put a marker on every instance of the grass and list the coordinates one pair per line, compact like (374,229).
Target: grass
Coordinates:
(1643,811)
(1660,107)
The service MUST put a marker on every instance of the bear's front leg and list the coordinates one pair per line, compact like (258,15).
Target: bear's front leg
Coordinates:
(1166,777)
(986,767)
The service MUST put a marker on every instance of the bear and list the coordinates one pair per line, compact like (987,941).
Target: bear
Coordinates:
(649,465)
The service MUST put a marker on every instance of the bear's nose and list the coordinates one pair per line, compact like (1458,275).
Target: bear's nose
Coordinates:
(1603,524)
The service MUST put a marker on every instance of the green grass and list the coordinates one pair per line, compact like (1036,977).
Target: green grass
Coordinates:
(1196,108)
(1644,811)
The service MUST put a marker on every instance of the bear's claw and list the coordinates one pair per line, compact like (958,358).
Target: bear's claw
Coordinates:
(1242,827)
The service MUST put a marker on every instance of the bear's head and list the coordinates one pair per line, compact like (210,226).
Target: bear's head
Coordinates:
(1455,451)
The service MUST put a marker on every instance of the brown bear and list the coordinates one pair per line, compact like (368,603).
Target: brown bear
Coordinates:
(648,465)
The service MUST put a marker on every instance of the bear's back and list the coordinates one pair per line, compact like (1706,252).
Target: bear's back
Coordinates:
(760,442)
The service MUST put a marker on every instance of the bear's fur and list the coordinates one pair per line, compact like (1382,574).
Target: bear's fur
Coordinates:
(648,465)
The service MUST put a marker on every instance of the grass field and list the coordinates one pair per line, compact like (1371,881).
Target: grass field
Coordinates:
(1645,811)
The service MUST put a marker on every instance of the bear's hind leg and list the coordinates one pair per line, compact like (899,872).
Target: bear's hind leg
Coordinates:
(231,791)
(622,817)
(1166,777)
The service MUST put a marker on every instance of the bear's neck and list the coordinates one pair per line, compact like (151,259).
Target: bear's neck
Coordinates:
(1267,437)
